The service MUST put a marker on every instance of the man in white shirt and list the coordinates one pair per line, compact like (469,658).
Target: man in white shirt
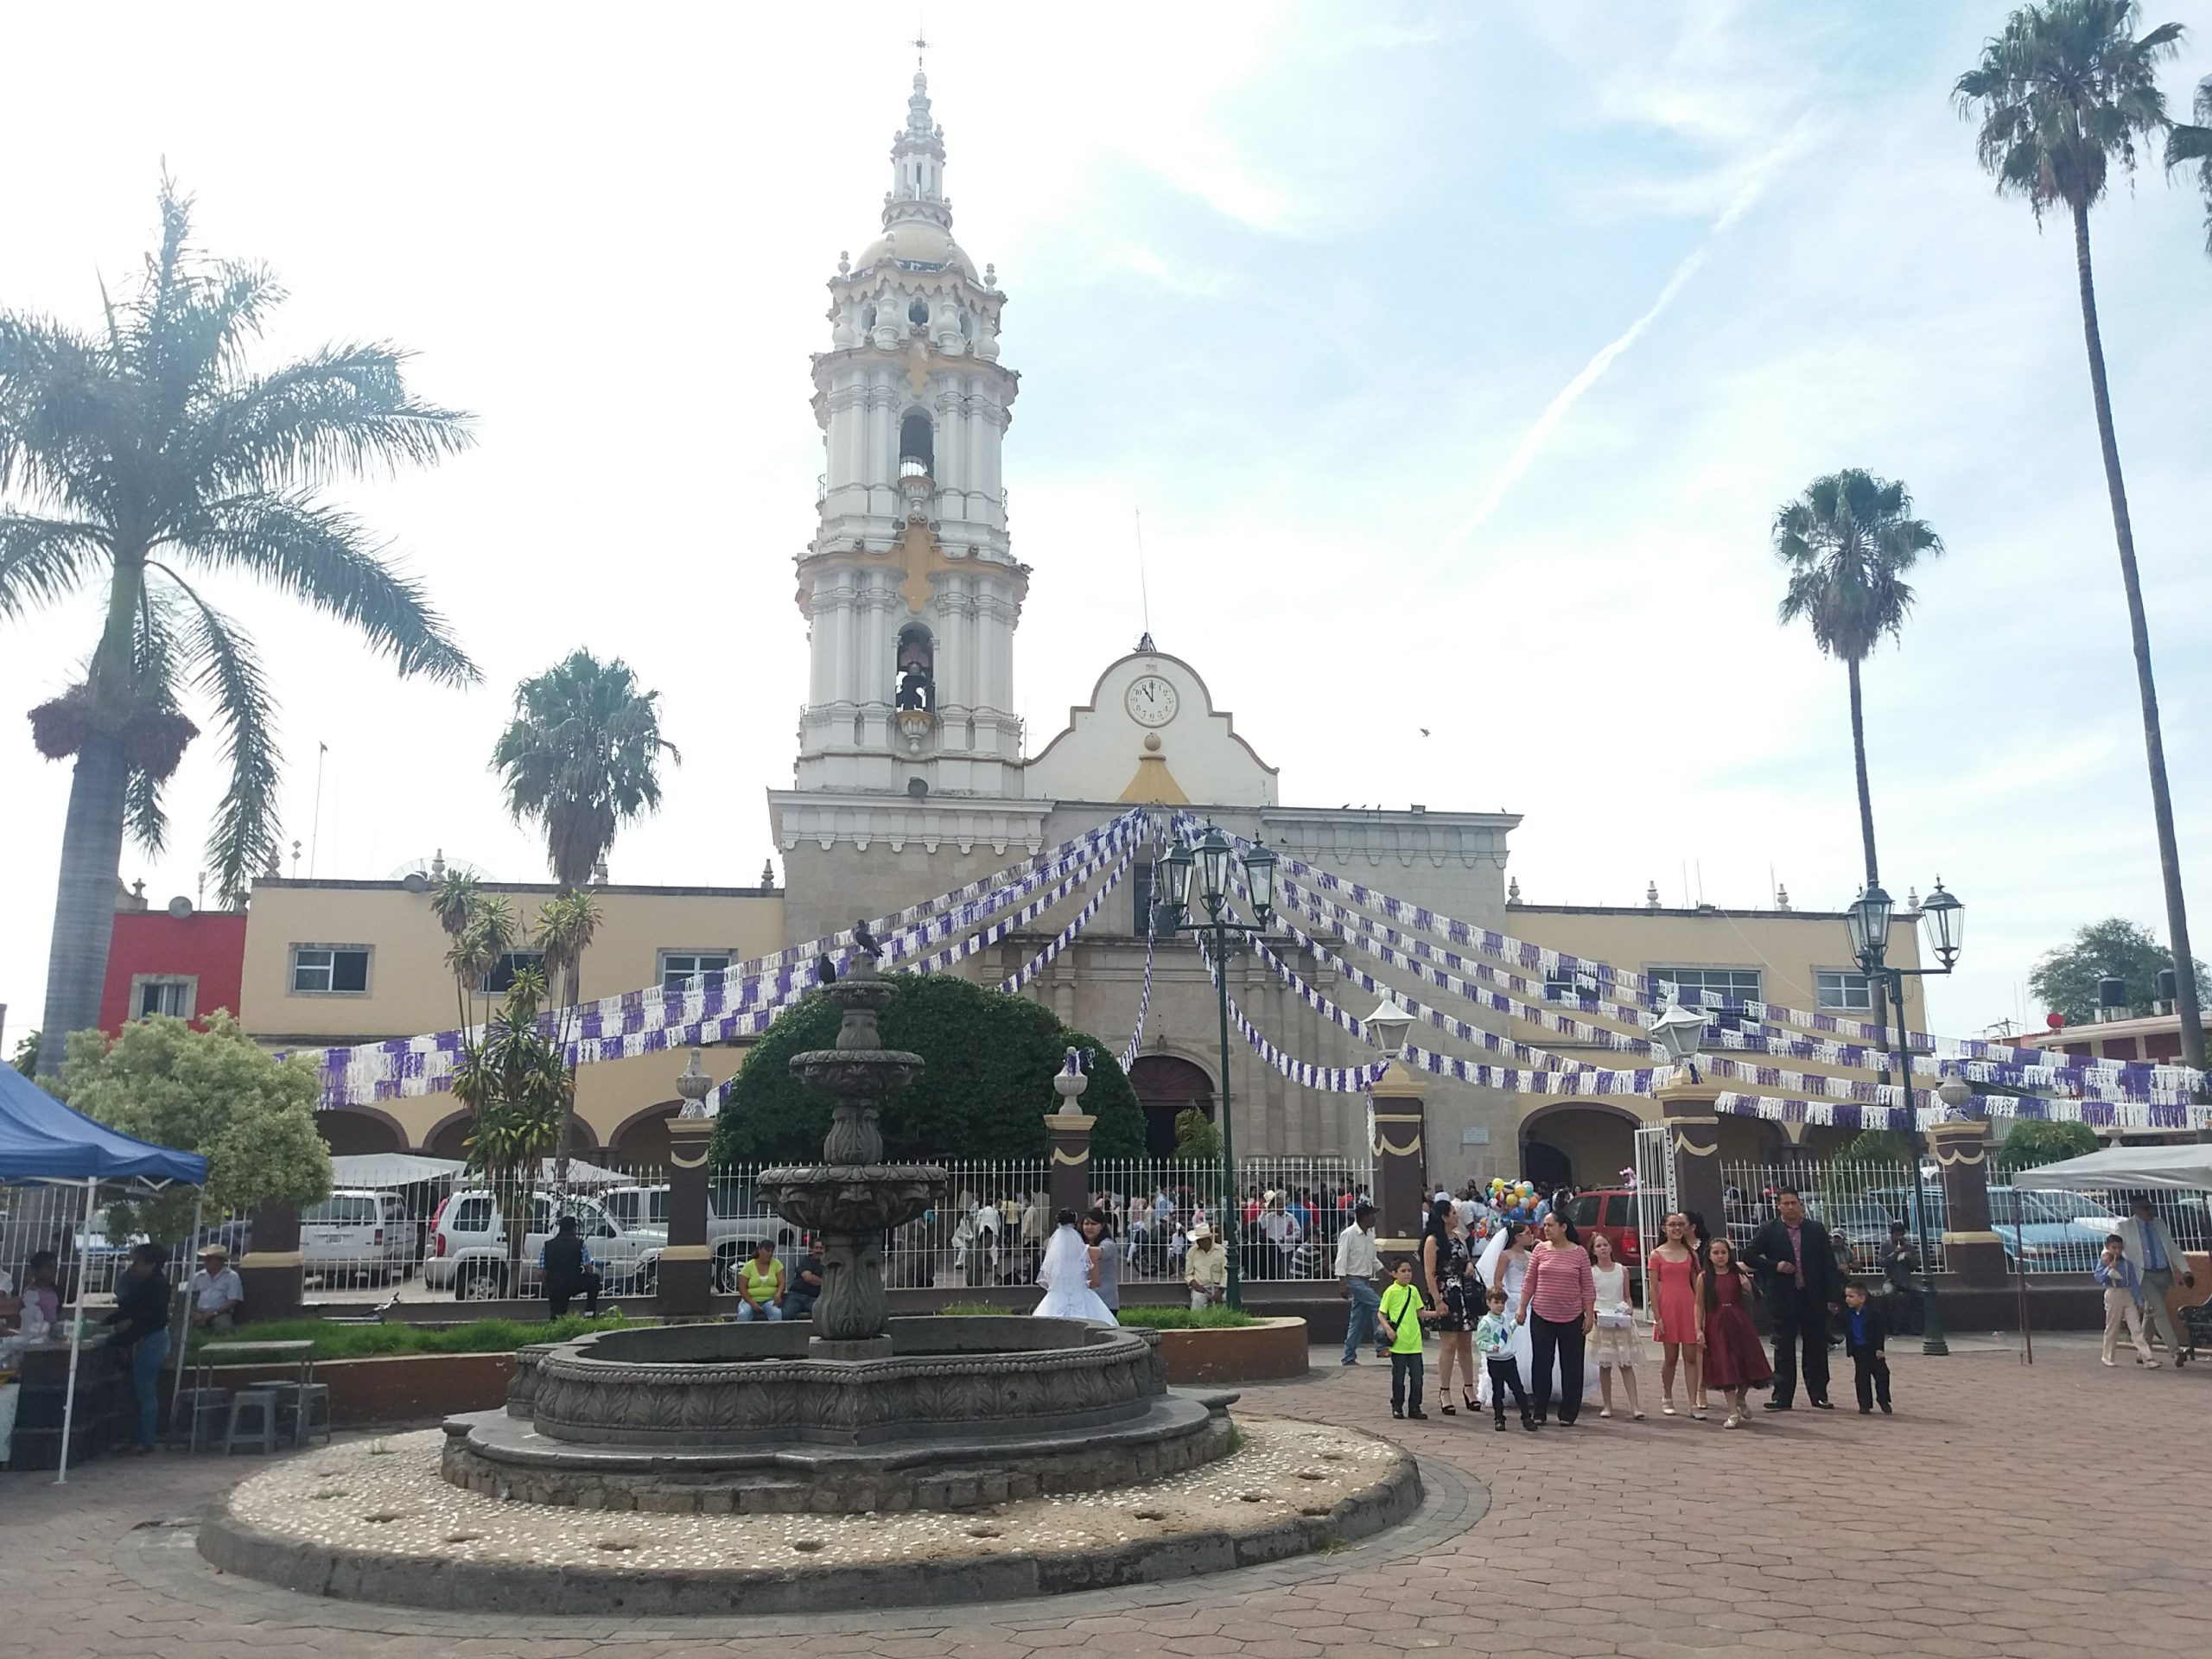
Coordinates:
(1205,1270)
(1359,1265)
(218,1293)
(1280,1228)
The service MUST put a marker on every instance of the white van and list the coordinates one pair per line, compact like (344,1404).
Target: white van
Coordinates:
(468,1247)
(358,1233)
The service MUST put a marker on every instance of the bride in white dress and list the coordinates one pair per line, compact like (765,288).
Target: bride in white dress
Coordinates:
(1069,1278)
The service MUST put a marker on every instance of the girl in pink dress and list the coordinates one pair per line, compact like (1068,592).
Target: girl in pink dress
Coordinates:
(1676,1324)
(1734,1361)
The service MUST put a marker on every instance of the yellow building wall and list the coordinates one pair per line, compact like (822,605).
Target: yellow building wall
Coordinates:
(1787,947)
(411,992)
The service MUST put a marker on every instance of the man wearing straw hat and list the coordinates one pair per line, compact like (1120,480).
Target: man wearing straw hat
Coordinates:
(1205,1268)
(216,1292)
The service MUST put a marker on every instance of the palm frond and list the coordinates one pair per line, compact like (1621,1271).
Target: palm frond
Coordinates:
(324,556)
(582,756)
(244,840)
(341,410)
(1847,543)
(2186,143)
(63,414)
(44,559)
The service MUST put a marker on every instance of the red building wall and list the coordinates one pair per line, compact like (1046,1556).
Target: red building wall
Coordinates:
(210,944)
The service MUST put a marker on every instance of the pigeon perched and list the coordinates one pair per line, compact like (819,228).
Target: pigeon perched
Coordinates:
(825,971)
(865,941)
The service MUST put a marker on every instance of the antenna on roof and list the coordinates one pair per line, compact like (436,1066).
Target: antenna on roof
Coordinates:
(1144,588)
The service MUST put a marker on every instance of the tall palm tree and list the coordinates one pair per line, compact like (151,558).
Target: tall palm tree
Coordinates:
(143,456)
(581,757)
(1848,542)
(2185,144)
(2063,93)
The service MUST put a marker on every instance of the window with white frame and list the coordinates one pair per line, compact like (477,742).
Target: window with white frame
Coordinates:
(171,994)
(501,979)
(1729,984)
(330,969)
(1845,989)
(1566,985)
(679,968)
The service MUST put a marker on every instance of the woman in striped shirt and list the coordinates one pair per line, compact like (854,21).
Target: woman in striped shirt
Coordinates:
(1558,1304)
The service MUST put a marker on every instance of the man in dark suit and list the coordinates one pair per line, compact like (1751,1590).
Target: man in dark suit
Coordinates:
(1797,1277)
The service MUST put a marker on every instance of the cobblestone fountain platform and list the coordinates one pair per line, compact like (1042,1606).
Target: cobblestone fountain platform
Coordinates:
(377,1521)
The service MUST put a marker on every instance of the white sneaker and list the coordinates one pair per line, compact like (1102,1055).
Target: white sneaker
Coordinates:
(2156,1364)
(2108,1360)
(1605,1411)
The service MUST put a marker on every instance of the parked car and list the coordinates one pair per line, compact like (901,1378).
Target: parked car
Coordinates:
(2053,1231)
(738,1218)
(358,1233)
(1612,1210)
(468,1246)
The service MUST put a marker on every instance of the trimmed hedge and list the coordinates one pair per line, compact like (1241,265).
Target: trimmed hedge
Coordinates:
(986,1085)
(368,1341)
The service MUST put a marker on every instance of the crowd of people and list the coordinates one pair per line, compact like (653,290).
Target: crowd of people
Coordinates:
(1553,1317)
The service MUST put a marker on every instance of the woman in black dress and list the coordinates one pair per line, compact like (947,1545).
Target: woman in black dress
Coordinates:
(1448,1268)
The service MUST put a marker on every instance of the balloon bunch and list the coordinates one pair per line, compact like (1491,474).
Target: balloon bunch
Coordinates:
(1513,1200)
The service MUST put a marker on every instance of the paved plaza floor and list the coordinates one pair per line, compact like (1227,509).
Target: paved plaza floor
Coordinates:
(2004,1510)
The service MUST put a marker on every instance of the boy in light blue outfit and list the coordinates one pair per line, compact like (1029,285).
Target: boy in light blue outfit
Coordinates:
(1494,1341)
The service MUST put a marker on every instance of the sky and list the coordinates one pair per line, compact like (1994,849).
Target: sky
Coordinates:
(1456,357)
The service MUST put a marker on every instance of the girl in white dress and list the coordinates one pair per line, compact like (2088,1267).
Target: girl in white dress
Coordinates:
(1613,1347)
(1069,1278)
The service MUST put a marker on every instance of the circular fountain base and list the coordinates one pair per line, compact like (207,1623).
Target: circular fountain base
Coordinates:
(373,1521)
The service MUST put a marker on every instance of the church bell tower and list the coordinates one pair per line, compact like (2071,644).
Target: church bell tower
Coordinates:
(910,588)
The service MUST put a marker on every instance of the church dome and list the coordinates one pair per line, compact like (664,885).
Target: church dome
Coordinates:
(918,242)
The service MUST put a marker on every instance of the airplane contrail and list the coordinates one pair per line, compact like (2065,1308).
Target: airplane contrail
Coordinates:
(1533,440)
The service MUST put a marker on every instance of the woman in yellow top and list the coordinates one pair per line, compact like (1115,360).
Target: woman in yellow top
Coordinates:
(760,1285)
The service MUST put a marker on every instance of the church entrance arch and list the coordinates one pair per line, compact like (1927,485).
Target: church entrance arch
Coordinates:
(1166,1087)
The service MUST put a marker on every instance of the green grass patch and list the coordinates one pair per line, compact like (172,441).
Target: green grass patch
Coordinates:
(1184,1319)
(1144,1319)
(368,1341)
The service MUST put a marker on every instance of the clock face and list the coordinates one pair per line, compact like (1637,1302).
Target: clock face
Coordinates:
(1152,701)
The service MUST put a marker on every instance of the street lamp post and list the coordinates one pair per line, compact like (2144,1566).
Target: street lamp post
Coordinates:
(1210,864)
(1868,920)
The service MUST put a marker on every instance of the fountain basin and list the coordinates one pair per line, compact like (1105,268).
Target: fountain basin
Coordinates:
(961,1412)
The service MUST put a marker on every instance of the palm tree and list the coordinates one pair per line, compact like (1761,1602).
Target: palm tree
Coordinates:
(519,1086)
(581,757)
(2185,144)
(1848,542)
(2062,95)
(144,450)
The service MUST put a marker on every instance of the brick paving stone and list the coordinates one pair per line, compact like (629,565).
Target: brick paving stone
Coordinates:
(1667,1539)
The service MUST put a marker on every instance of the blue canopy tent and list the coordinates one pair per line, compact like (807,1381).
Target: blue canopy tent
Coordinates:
(43,1143)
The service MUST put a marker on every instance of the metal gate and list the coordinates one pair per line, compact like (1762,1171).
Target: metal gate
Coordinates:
(1654,1190)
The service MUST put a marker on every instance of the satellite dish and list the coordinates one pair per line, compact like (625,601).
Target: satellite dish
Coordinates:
(416,881)
(180,906)
(918,787)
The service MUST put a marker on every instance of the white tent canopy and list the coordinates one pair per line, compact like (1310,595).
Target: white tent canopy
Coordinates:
(2126,1166)
(405,1168)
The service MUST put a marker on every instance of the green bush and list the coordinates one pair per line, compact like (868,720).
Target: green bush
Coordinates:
(2030,1143)
(368,1341)
(989,1060)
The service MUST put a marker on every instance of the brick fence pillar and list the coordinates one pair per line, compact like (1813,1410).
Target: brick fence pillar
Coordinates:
(1399,1107)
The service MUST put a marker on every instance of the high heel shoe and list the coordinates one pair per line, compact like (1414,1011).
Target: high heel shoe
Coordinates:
(1466,1399)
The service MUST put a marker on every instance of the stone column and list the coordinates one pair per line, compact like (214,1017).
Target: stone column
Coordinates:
(1067,1135)
(1973,1250)
(687,1265)
(272,1271)
(1693,1144)
(1398,1106)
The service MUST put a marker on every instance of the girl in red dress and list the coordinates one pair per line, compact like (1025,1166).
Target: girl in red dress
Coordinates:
(1675,1324)
(1734,1361)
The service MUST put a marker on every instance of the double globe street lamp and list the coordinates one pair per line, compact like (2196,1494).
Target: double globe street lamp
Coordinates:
(1212,867)
(1942,919)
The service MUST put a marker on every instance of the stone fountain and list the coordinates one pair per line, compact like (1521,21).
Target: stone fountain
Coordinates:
(860,1461)
(856,1411)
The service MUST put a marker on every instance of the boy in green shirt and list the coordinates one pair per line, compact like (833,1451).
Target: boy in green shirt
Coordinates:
(1402,1315)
